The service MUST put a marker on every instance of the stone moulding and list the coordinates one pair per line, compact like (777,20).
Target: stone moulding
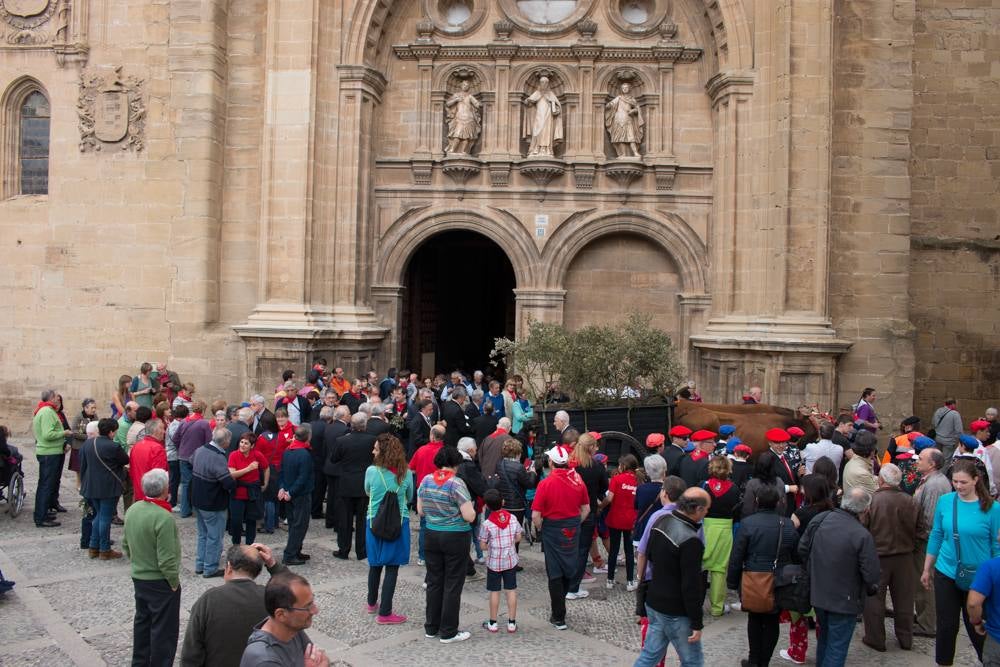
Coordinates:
(460,169)
(542,170)
(663,52)
(625,171)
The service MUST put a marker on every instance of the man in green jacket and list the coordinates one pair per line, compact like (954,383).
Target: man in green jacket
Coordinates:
(50,445)
(153,546)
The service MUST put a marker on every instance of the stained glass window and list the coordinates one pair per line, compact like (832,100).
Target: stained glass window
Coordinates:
(34,144)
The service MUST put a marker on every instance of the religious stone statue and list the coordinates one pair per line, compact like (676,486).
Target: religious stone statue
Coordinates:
(625,124)
(464,117)
(543,124)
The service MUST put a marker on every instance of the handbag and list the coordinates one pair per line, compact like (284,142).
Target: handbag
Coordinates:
(125,489)
(636,535)
(757,588)
(388,523)
(964,574)
(792,588)
(932,433)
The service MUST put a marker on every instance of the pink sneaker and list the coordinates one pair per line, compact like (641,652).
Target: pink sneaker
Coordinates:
(391,619)
(371,608)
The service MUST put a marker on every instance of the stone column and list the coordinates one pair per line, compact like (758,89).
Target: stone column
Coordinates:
(538,304)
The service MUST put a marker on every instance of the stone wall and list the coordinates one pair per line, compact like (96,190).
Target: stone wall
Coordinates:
(955,168)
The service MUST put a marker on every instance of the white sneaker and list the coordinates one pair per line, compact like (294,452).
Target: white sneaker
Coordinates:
(631,586)
(784,654)
(579,595)
(736,606)
(610,584)
(480,560)
(460,637)
(176,509)
(423,585)
(421,562)
(600,570)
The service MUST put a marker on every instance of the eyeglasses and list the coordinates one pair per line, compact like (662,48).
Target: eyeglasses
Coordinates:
(311,606)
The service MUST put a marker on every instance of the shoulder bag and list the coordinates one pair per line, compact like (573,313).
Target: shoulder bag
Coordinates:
(792,588)
(387,523)
(757,588)
(964,574)
(104,463)
(932,433)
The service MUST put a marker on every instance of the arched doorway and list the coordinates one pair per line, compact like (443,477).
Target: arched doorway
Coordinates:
(459,297)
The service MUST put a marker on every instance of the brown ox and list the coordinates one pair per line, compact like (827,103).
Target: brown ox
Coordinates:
(751,421)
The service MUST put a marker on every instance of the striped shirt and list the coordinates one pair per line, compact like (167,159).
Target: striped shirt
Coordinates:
(441,504)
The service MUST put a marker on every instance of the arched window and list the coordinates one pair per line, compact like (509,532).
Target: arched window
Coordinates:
(27,122)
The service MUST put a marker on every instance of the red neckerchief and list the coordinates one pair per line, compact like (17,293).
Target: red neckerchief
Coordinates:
(441,476)
(719,487)
(904,455)
(162,503)
(288,433)
(183,396)
(400,407)
(568,475)
(698,455)
(501,518)
(513,395)
(298,444)
(194,416)
(45,404)
(499,431)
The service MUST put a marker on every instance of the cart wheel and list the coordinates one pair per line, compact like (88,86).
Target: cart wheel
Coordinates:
(15,494)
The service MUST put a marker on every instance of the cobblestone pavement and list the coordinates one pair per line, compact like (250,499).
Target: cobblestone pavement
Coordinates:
(70,610)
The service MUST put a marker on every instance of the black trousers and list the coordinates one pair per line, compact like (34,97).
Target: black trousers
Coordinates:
(762,635)
(557,594)
(298,524)
(583,554)
(332,503)
(950,602)
(319,491)
(617,538)
(447,554)
(352,519)
(156,624)
(388,587)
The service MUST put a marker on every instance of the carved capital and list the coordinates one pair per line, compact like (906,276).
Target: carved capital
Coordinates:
(362,77)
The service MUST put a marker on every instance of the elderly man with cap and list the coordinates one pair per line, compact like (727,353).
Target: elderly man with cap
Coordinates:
(674,452)
(655,443)
(858,471)
(694,467)
(777,441)
(561,503)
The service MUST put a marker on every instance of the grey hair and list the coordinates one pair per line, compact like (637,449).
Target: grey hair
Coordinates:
(245,559)
(244,414)
(991,412)
(365,408)
(504,423)
(466,444)
(48,394)
(655,467)
(358,421)
(478,395)
(155,482)
(92,430)
(326,413)
(258,399)
(377,410)
(936,457)
(856,501)
(425,393)
(688,504)
(562,415)
(459,392)
(303,432)
(341,411)
(155,429)
(891,474)
(221,437)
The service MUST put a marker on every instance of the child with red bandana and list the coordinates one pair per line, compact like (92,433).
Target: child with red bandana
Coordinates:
(498,535)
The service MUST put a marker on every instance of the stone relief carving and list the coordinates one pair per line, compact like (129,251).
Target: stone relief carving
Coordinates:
(464,115)
(624,122)
(111,111)
(25,18)
(543,125)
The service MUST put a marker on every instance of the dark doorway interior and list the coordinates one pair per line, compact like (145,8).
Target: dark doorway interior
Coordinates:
(459,297)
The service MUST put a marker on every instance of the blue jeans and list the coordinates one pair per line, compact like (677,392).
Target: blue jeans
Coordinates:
(475,537)
(420,539)
(49,471)
(100,529)
(211,528)
(835,632)
(185,489)
(666,630)
(270,515)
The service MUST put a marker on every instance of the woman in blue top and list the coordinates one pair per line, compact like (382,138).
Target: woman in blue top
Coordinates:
(388,474)
(522,412)
(444,502)
(978,524)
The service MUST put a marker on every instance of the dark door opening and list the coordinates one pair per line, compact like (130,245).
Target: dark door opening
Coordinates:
(459,297)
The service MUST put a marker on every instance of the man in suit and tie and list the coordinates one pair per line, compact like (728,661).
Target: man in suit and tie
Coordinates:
(377,425)
(259,410)
(341,425)
(317,445)
(351,456)
(777,440)
(420,427)
(422,395)
(456,419)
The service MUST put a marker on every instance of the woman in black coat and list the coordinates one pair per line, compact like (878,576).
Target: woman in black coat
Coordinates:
(515,480)
(102,475)
(762,536)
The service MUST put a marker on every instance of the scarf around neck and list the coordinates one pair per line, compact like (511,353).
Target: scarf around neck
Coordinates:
(441,476)
(719,487)
(45,404)
(501,518)
(162,503)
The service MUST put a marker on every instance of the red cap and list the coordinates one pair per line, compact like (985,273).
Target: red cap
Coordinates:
(979,425)
(742,449)
(654,440)
(796,432)
(680,431)
(702,435)
(777,435)
(594,434)
(913,435)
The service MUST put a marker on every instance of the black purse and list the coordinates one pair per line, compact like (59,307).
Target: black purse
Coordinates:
(964,574)
(792,587)
(388,522)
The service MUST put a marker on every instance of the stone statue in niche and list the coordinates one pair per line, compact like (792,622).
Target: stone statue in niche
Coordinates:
(543,120)
(464,115)
(625,124)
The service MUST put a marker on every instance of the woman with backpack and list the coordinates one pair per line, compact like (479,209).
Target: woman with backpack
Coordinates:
(387,481)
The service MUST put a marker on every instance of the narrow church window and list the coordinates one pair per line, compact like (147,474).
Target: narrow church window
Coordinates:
(33,144)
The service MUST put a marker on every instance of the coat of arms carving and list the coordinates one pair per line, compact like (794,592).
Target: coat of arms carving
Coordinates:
(25,17)
(111,111)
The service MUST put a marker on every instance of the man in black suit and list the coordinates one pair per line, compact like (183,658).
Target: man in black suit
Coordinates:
(485,424)
(455,417)
(351,456)
(340,425)
(377,425)
(259,410)
(777,440)
(355,397)
(317,445)
(424,394)
(420,427)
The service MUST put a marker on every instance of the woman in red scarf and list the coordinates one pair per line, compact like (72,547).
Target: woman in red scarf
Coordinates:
(718,527)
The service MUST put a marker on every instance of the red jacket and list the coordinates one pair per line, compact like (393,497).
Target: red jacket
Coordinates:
(422,463)
(144,456)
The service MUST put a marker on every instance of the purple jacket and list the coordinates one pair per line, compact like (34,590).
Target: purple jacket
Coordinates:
(190,436)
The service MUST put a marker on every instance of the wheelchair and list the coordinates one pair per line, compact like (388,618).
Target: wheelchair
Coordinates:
(12,483)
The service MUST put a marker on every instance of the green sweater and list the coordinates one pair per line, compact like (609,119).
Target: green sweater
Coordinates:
(50,436)
(152,544)
(121,436)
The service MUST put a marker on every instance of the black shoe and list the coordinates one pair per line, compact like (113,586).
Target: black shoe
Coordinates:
(294,561)
(213,575)
(48,523)
(117,521)
(341,555)
(518,568)
(317,516)
(303,556)
(58,508)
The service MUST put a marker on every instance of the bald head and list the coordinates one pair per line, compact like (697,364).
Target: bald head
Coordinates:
(694,503)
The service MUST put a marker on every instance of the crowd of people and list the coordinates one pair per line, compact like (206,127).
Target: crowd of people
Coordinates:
(811,532)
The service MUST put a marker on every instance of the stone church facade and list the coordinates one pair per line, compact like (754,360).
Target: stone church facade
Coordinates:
(802,192)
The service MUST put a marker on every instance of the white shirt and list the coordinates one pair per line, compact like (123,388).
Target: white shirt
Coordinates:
(815,450)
